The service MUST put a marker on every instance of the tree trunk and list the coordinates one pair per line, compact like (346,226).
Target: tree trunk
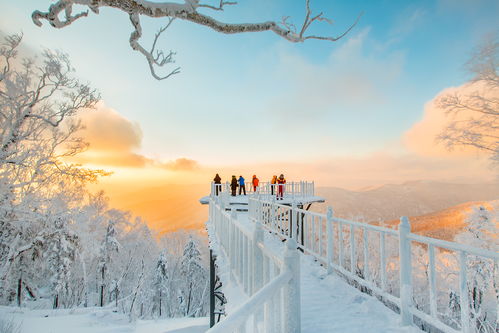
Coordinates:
(160,303)
(116,294)
(102,286)
(189,299)
(19,290)
(20,283)
(85,289)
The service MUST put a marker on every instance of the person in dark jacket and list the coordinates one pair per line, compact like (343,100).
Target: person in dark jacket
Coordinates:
(233,185)
(218,184)
(242,187)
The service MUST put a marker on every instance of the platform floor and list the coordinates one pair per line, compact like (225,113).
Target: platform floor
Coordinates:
(287,200)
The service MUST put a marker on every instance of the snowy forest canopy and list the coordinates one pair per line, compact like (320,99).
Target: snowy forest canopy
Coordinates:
(61,245)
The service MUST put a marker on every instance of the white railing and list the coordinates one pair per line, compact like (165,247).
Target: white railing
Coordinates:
(291,189)
(383,265)
(270,278)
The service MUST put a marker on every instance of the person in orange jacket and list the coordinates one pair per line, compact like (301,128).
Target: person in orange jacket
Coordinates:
(255,181)
(272,184)
(280,186)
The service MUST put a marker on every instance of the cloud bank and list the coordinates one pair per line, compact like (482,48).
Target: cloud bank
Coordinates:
(421,137)
(114,141)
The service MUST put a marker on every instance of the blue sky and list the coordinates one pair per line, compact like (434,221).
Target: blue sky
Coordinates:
(255,98)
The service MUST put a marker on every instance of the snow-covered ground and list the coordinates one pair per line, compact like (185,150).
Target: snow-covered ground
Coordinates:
(95,320)
(328,304)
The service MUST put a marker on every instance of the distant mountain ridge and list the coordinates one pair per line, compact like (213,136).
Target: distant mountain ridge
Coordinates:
(415,198)
(172,207)
(444,224)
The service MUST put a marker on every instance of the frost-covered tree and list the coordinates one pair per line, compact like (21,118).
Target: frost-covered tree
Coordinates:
(193,11)
(61,247)
(481,231)
(161,281)
(57,241)
(38,100)
(480,108)
(193,276)
(109,245)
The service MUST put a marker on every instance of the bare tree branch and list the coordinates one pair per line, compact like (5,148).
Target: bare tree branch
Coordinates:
(187,11)
(475,115)
(220,6)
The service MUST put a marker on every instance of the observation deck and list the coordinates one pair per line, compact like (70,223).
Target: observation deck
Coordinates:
(278,267)
(301,193)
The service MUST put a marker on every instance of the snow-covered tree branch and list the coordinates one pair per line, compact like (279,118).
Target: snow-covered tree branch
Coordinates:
(187,11)
(475,115)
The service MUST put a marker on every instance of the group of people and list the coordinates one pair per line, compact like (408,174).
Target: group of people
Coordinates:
(240,182)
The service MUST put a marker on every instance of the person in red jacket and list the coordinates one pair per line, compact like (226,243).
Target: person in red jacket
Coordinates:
(280,186)
(255,182)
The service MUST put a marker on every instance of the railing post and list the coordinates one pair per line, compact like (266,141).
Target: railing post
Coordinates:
(463,293)
(257,257)
(273,214)
(405,271)
(291,294)
(293,218)
(330,239)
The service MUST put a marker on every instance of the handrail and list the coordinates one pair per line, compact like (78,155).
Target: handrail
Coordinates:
(454,246)
(334,242)
(293,189)
(257,265)
(250,307)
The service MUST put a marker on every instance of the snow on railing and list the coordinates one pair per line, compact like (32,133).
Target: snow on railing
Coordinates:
(291,189)
(384,264)
(271,279)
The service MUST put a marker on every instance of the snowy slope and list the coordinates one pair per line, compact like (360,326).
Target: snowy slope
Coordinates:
(95,320)
(444,224)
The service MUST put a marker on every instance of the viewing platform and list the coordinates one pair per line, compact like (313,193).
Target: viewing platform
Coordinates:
(300,193)
(276,266)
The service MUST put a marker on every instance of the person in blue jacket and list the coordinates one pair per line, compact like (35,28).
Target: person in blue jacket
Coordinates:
(241,185)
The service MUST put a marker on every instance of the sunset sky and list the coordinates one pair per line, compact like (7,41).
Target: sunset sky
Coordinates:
(353,113)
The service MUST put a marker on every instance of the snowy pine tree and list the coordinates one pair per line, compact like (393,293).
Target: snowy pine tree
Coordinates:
(61,251)
(194,279)
(161,281)
(109,245)
(481,231)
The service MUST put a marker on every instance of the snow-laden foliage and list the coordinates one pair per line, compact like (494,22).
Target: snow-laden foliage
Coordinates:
(193,288)
(60,245)
(161,282)
(482,231)
(60,251)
